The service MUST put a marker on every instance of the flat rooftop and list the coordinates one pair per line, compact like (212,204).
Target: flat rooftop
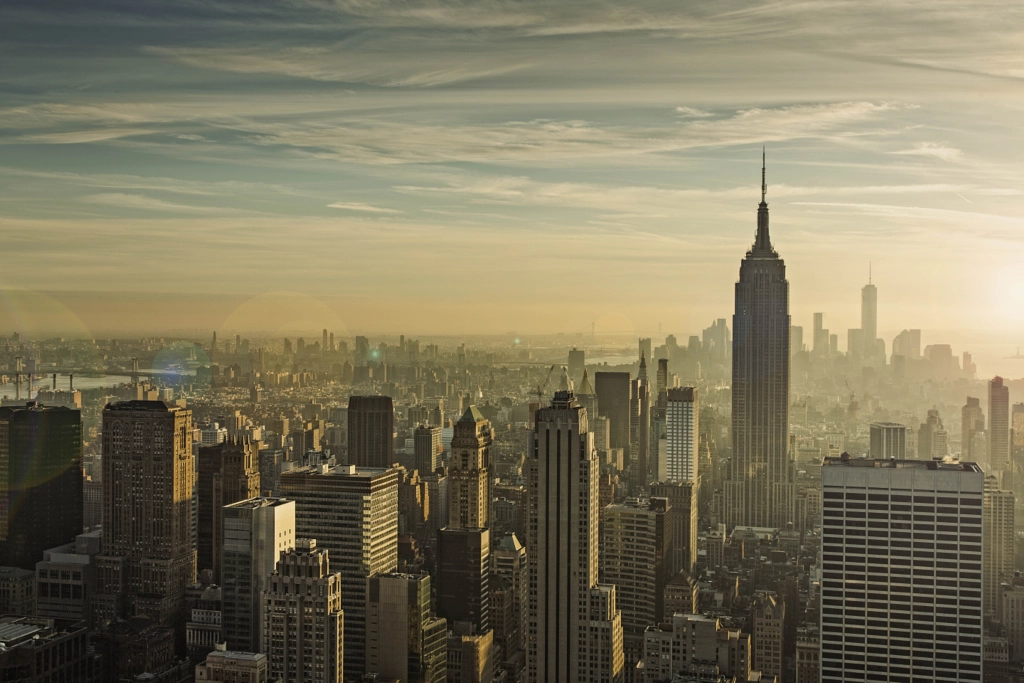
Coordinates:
(892,464)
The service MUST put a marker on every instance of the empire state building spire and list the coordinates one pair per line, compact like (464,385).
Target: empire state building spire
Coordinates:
(763,242)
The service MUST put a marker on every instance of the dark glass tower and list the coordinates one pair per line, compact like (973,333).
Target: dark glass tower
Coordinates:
(371,426)
(760,490)
(40,481)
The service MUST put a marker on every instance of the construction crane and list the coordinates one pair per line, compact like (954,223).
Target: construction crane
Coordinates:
(541,387)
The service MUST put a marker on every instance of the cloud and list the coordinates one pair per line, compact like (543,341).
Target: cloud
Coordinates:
(932,149)
(357,206)
(692,113)
(142,202)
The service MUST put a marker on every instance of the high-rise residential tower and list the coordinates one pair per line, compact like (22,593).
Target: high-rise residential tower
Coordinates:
(972,421)
(255,533)
(149,544)
(575,626)
(681,428)
(371,426)
(998,536)
(901,587)
(427,448)
(40,465)
(613,391)
(760,489)
(998,425)
(353,513)
(464,545)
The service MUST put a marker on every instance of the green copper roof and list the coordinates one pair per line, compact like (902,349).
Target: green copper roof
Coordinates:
(472,415)
(585,388)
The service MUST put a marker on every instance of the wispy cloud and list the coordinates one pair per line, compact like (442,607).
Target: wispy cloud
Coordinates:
(932,149)
(365,208)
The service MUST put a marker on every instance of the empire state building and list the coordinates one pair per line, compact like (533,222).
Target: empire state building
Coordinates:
(760,490)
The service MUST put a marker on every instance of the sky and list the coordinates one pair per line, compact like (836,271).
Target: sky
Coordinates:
(445,167)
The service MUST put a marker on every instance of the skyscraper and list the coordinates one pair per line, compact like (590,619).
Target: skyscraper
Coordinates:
(681,428)
(575,626)
(228,472)
(869,320)
(972,421)
(639,427)
(41,480)
(760,489)
(998,426)
(682,501)
(905,600)
(888,440)
(303,618)
(427,448)
(464,545)
(998,538)
(353,513)
(404,641)
(612,390)
(149,544)
(255,533)
(636,557)
(371,426)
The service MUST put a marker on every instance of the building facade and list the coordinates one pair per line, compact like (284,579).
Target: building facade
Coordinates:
(404,641)
(227,473)
(371,427)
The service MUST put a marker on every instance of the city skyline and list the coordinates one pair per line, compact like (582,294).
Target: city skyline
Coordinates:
(512,134)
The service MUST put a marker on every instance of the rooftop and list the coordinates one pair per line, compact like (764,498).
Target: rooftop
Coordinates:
(954,466)
(253,503)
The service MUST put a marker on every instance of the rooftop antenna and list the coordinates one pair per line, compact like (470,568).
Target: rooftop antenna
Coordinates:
(764,183)
(869,272)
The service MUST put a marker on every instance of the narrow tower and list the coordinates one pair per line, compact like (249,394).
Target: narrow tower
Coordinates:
(760,487)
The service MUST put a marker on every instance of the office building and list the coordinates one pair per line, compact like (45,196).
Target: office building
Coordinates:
(149,556)
(255,533)
(821,336)
(683,511)
(225,666)
(901,587)
(509,574)
(352,512)
(692,645)
(932,438)
(998,426)
(404,641)
(888,440)
(636,557)
(577,362)
(869,322)
(464,545)
(17,591)
(227,473)
(203,630)
(427,448)
(907,344)
(303,619)
(470,657)
(574,624)
(613,392)
(371,431)
(40,462)
(681,432)
(140,649)
(40,650)
(66,579)
(766,616)
(972,421)
(808,655)
(998,535)
(760,490)
(1016,483)
(639,428)
(588,399)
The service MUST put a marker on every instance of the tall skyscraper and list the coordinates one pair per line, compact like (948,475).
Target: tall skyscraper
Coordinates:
(509,575)
(903,602)
(255,533)
(636,557)
(404,641)
(427,448)
(760,489)
(998,425)
(40,480)
(577,362)
(371,426)
(613,390)
(681,425)
(574,623)
(869,319)
(888,440)
(149,543)
(586,397)
(464,545)
(682,501)
(998,538)
(932,438)
(228,472)
(972,421)
(639,427)
(353,513)
(303,618)
(644,348)
(1017,456)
